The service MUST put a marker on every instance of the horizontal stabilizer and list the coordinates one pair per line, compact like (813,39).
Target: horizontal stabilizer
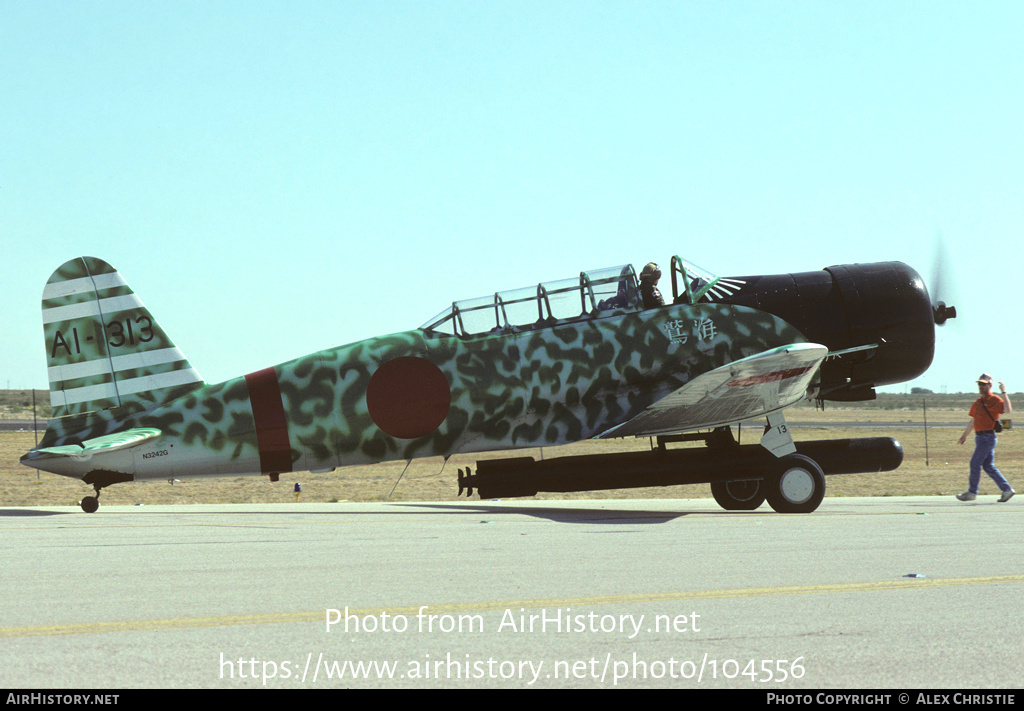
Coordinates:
(118,440)
(749,387)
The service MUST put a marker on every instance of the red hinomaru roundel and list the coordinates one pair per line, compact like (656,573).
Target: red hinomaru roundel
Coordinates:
(408,397)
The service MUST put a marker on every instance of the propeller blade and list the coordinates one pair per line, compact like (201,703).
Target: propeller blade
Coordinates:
(940,282)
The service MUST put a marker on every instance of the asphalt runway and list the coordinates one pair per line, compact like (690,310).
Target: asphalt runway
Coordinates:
(883,593)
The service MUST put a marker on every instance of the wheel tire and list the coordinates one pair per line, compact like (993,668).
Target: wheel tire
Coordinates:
(797,487)
(90,504)
(745,495)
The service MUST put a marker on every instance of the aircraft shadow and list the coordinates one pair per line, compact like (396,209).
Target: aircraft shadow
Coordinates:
(29,512)
(565,515)
(554,514)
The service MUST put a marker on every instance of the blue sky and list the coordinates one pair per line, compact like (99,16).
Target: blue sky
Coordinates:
(274,178)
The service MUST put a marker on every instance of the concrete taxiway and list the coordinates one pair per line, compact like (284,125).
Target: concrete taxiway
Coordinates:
(893,593)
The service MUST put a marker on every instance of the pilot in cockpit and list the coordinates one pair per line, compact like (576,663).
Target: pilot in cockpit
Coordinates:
(649,277)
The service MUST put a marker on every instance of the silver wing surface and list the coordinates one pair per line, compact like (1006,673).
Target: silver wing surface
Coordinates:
(751,387)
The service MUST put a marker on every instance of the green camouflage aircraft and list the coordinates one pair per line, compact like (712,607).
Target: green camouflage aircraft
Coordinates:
(546,365)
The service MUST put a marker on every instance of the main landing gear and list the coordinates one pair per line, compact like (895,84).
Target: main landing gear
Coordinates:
(795,484)
(738,495)
(797,487)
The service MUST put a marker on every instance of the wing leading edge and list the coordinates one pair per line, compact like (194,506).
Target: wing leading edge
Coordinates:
(751,387)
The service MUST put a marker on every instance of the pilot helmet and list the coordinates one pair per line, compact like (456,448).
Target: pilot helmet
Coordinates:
(650,272)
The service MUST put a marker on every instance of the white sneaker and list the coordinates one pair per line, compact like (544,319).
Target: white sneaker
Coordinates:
(967,496)
(1007,495)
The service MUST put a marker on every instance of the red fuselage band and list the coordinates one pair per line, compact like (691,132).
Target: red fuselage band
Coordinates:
(271,423)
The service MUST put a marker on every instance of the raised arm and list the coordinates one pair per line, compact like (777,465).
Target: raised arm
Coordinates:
(1007,407)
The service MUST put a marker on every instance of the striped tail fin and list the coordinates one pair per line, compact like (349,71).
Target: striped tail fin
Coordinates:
(103,347)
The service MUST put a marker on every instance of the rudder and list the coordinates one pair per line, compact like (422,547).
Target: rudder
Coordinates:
(103,347)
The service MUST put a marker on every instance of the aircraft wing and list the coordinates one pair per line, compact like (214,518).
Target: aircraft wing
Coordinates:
(118,440)
(750,387)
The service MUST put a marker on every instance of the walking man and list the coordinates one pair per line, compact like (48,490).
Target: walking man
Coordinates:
(985,422)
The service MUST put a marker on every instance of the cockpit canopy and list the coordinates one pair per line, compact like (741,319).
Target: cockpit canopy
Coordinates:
(594,294)
(611,290)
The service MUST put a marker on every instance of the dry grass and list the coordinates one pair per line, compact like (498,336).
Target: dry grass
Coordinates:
(425,480)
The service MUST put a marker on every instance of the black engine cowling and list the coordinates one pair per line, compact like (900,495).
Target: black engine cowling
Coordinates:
(848,306)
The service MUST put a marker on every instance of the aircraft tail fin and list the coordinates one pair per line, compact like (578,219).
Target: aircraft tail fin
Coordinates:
(103,347)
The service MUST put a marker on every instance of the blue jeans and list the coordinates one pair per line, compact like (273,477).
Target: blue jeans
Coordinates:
(983,458)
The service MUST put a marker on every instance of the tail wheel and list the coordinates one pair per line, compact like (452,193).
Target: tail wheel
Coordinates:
(798,487)
(738,495)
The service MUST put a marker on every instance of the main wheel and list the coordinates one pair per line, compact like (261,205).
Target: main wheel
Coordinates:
(744,495)
(797,487)
(90,504)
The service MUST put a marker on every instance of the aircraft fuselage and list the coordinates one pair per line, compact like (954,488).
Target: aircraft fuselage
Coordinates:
(421,393)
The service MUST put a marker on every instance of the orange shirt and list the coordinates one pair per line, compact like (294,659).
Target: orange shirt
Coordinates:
(982,421)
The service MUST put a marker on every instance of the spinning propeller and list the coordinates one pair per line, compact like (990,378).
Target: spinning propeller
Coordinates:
(941,276)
